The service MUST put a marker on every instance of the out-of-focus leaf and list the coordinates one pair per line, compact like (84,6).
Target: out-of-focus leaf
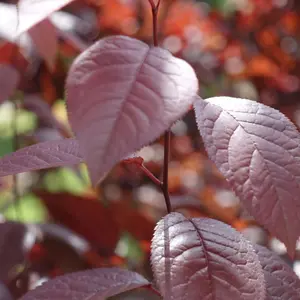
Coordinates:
(45,39)
(32,12)
(43,111)
(41,156)
(16,240)
(86,216)
(99,224)
(97,284)
(281,281)
(202,258)
(9,79)
(4,293)
(132,93)
(257,149)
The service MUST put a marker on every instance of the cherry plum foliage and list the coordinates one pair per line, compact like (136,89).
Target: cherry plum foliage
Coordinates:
(91,284)
(132,93)
(44,155)
(22,237)
(9,79)
(258,150)
(121,95)
(32,12)
(201,258)
(280,278)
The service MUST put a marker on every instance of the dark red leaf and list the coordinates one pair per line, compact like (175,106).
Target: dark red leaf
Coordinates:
(16,240)
(9,79)
(92,284)
(132,93)
(281,281)
(202,258)
(257,149)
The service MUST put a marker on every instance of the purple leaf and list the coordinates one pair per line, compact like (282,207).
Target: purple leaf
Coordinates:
(31,12)
(281,281)
(16,240)
(41,156)
(92,284)
(4,292)
(9,79)
(42,109)
(45,38)
(257,149)
(202,258)
(122,95)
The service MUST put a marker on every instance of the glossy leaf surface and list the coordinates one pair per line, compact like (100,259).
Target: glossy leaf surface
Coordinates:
(92,284)
(257,149)
(41,156)
(281,281)
(202,258)
(123,94)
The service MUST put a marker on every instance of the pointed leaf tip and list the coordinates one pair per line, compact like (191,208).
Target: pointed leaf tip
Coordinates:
(257,150)
(91,284)
(31,12)
(123,94)
(41,156)
(202,258)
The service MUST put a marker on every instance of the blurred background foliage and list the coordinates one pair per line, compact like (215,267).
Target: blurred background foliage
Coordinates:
(242,48)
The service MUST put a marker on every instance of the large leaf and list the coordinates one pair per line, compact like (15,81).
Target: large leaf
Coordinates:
(45,39)
(31,12)
(202,258)
(123,94)
(16,240)
(281,281)
(100,224)
(41,156)
(257,149)
(9,79)
(92,284)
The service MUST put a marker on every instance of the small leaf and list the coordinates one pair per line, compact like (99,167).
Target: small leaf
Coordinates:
(31,12)
(16,240)
(43,111)
(41,156)
(257,149)
(202,258)
(9,79)
(92,284)
(45,38)
(122,95)
(281,281)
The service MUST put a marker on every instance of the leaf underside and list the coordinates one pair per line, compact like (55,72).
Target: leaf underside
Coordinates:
(257,149)
(202,258)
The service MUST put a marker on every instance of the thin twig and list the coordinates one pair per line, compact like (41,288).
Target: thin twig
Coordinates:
(164,185)
(151,176)
(153,289)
